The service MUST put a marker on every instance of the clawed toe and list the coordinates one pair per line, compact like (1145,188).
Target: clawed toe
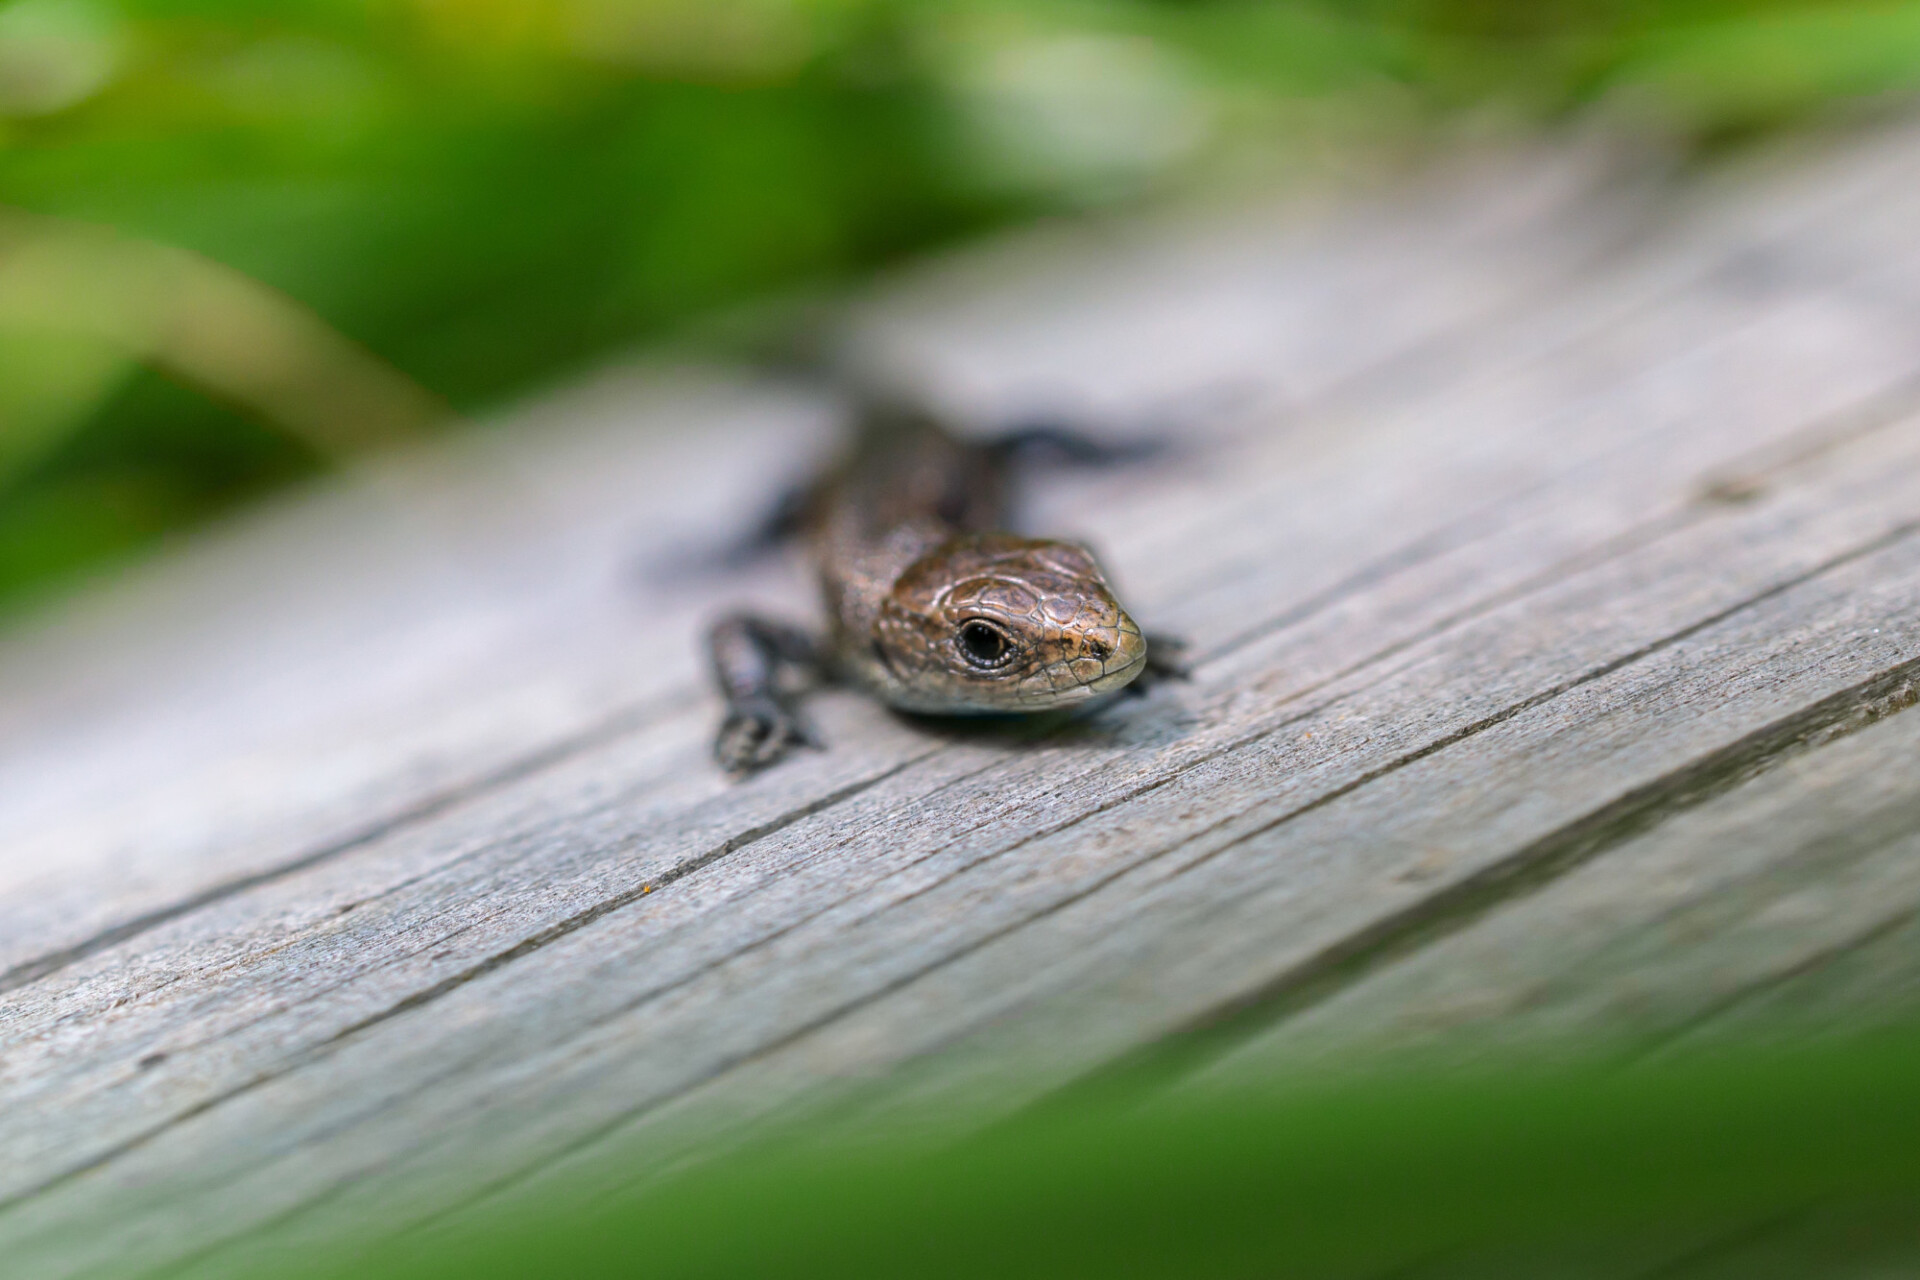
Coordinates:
(759,734)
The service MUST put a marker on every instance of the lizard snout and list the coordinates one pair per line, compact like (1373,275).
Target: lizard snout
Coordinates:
(1110,657)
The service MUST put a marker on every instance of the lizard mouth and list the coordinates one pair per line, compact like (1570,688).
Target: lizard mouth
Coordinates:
(1077,679)
(1128,661)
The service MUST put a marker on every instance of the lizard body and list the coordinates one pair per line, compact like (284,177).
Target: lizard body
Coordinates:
(931,605)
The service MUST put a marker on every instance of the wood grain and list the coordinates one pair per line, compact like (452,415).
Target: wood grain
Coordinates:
(1548,533)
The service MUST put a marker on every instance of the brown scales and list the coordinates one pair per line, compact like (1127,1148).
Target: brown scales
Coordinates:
(931,607)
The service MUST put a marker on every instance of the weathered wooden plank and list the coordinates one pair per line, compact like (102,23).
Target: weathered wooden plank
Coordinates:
(1857,984)
(568,1078)
(515,638)
(1445,619)
(1796,538)
(1791,880)
(546,888)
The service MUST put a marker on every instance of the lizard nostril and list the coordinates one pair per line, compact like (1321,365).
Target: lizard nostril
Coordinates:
(1099,650)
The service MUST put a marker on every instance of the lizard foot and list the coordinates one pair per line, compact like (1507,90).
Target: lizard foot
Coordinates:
(757,733)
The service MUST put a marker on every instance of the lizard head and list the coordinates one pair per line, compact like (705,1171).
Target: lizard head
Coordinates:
(995,623)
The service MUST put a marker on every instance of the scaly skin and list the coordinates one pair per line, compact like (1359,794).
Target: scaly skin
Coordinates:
(931,608)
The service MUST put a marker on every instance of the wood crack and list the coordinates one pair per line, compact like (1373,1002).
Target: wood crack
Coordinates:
(545,937)
(608,730)
(1886,926)
(1897,534)
(1531,868)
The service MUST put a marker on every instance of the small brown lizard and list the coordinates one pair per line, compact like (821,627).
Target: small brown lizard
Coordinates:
(931,605)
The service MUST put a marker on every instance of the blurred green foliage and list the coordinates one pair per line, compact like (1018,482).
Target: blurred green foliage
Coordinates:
(1744,1162)
(486,193)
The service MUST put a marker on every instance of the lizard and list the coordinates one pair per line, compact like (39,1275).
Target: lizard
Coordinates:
(932,605)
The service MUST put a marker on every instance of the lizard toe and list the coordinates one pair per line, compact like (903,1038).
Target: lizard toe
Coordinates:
(757,734)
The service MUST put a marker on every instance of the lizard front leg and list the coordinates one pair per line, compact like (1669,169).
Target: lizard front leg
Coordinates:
(762,667)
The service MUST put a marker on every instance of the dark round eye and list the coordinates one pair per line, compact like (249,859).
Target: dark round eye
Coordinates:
(984,645)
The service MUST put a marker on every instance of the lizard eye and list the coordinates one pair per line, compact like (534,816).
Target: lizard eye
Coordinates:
(984,645)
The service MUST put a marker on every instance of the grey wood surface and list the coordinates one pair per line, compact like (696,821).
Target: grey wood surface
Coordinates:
(1547,527)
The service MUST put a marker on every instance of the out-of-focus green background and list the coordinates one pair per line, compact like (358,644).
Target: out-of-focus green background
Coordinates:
(1744,1162)
(239,240)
